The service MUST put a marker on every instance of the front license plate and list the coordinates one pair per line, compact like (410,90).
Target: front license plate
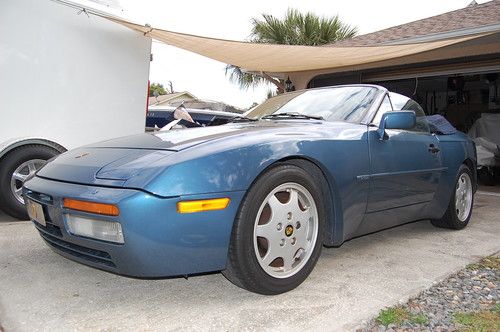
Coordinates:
(35,211)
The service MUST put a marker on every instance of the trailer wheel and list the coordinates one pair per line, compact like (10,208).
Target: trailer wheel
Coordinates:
(16,167)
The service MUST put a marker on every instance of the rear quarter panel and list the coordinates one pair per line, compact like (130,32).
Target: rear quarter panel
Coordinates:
(456,149)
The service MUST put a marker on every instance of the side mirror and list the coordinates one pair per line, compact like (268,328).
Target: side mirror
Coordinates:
(396,120)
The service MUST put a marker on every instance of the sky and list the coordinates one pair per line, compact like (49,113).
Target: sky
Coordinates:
(231,19)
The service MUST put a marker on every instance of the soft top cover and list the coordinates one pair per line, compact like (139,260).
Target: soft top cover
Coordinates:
(439,125)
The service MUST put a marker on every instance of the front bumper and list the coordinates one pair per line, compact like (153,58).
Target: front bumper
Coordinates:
(159,242)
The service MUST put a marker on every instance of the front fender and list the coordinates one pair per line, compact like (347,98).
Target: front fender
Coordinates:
(221,171)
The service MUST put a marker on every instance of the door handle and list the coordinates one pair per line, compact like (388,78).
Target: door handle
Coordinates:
(433,148)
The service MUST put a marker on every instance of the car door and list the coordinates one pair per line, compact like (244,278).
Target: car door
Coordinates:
(406,165)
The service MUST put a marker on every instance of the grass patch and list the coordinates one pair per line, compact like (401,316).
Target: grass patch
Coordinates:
(482,321)
(395,315)
(399,315)
(420,319)
(490,262)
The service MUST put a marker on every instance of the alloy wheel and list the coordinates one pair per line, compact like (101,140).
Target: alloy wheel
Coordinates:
(285,230)
(463,197)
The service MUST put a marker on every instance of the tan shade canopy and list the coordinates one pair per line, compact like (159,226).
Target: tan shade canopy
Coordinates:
(287,58)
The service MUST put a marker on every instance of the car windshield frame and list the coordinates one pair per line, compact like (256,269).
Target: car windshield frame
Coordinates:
(307,99)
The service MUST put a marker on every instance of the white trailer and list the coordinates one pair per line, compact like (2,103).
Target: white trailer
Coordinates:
(67,78)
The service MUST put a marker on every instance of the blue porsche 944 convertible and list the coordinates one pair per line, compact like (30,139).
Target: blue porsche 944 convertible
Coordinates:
(256,198)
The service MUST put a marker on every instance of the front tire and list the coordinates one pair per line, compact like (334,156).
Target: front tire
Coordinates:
(278,232)
(16,167)
(459,210)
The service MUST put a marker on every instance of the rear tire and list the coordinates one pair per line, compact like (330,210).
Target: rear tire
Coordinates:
(459,209)
(278,232)
(16,167)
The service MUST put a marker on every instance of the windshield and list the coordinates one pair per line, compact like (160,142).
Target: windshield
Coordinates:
(348,103)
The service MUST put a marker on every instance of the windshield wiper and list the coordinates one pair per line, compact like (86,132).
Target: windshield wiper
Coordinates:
(241,119)
(292,115)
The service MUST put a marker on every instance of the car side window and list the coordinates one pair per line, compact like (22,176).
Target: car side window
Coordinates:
(404,103)
(384,107)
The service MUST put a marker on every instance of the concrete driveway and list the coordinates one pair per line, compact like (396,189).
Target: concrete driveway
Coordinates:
(40,290)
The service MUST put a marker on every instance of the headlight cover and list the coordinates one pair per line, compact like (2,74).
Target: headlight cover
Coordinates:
(104,230)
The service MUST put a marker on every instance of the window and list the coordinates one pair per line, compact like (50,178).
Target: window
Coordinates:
(403,103)
(385,106)
(349,103)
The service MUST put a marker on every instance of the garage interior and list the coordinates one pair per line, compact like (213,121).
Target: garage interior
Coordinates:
(461,96)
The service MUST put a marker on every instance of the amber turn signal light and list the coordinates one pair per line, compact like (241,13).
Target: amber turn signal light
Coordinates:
(202,205)
(91,207)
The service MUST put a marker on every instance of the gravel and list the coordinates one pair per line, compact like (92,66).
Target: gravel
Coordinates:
(472,289)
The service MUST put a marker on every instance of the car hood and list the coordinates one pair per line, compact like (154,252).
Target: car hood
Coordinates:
(138,159)
(102,166)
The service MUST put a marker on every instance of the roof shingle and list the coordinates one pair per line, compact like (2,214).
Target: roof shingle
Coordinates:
(474,15)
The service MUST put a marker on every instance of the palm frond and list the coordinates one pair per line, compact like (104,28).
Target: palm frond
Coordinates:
(243,79)
(295,28)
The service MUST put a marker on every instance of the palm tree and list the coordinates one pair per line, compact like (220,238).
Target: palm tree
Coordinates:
(294,29)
